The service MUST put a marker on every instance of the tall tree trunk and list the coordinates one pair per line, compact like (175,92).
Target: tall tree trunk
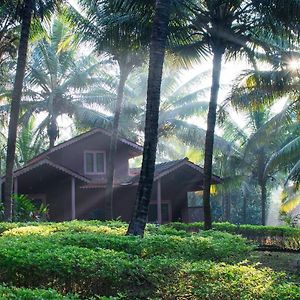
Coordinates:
(209,139)
(227,206)
(261,163)
(15,107)
(263,189)
(157,53)
(52,130)
(244,208)
(124,72)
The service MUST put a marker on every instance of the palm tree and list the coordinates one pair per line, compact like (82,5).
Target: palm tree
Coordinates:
(8,33)
(59,82)
(117,39)
(157,51)
(254,93)
(179,103)
(231,28)
(247,166)
(26,9)
(30,143)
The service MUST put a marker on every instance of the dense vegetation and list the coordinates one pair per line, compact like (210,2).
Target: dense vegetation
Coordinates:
(106,87)
(84,61)
(95,258)
(282,237)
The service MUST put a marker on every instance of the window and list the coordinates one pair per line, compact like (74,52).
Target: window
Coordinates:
(94,162)
(195,199)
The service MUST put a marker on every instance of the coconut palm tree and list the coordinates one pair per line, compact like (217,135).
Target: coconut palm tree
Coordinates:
(180,102)
(25,11)
(117,40)
(231,28)
(59,82)
(8,33)
(157,51)
(273,137)
(30,143)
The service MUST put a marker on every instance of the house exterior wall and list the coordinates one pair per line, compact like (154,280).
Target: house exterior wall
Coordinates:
(124,200)
(58,199)
(90,204)
(72,156)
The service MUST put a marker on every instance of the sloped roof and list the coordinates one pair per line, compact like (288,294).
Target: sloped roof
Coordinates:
(47,162)
(136,147)
(166,168)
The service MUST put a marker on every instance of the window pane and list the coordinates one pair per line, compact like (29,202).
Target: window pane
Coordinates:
(194,199)
(100,162)
(89,162)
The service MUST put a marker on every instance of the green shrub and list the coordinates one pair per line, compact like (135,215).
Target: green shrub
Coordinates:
(28,294)
(95,259)
(216,246)
(278,236)
(207,280)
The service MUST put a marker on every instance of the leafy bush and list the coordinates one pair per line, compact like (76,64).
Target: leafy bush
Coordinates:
(212,281)
(107,272)
(95,259)
(280,236)
(216,246)
(26,211)
(28,294)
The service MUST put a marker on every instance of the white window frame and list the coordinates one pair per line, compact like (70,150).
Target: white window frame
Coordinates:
(94,152)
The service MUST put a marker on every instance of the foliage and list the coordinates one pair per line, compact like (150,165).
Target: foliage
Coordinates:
(289,219)
(213,245)
(30,143)
(25,210)
(280,236)
(96,259)
(31,294)
(61,82)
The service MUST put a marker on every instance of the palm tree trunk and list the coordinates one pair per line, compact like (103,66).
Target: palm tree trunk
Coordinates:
(15,107)
(124,72)
(157,53)
(263,189)
(227,206)
(261,162)
(52,131)
(244,209)
(209,139)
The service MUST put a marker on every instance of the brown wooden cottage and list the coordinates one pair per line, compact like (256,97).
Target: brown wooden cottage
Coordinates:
(71,178)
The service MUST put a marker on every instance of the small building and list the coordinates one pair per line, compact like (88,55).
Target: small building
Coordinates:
(71,179)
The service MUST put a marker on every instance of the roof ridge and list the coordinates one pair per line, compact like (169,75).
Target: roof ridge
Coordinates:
(80,136)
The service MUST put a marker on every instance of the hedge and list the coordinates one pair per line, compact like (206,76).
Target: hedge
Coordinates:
(32,294)
(277,236)
(110,273)
(216,246)
(95,259)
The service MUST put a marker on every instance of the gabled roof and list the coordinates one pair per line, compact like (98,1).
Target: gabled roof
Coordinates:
(137,148)
(166,168)
(65,170)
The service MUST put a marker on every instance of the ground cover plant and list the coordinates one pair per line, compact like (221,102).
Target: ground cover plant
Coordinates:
(32,294)
(283,237)
(92,258)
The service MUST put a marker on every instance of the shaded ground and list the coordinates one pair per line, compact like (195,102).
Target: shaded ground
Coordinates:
(279,261)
